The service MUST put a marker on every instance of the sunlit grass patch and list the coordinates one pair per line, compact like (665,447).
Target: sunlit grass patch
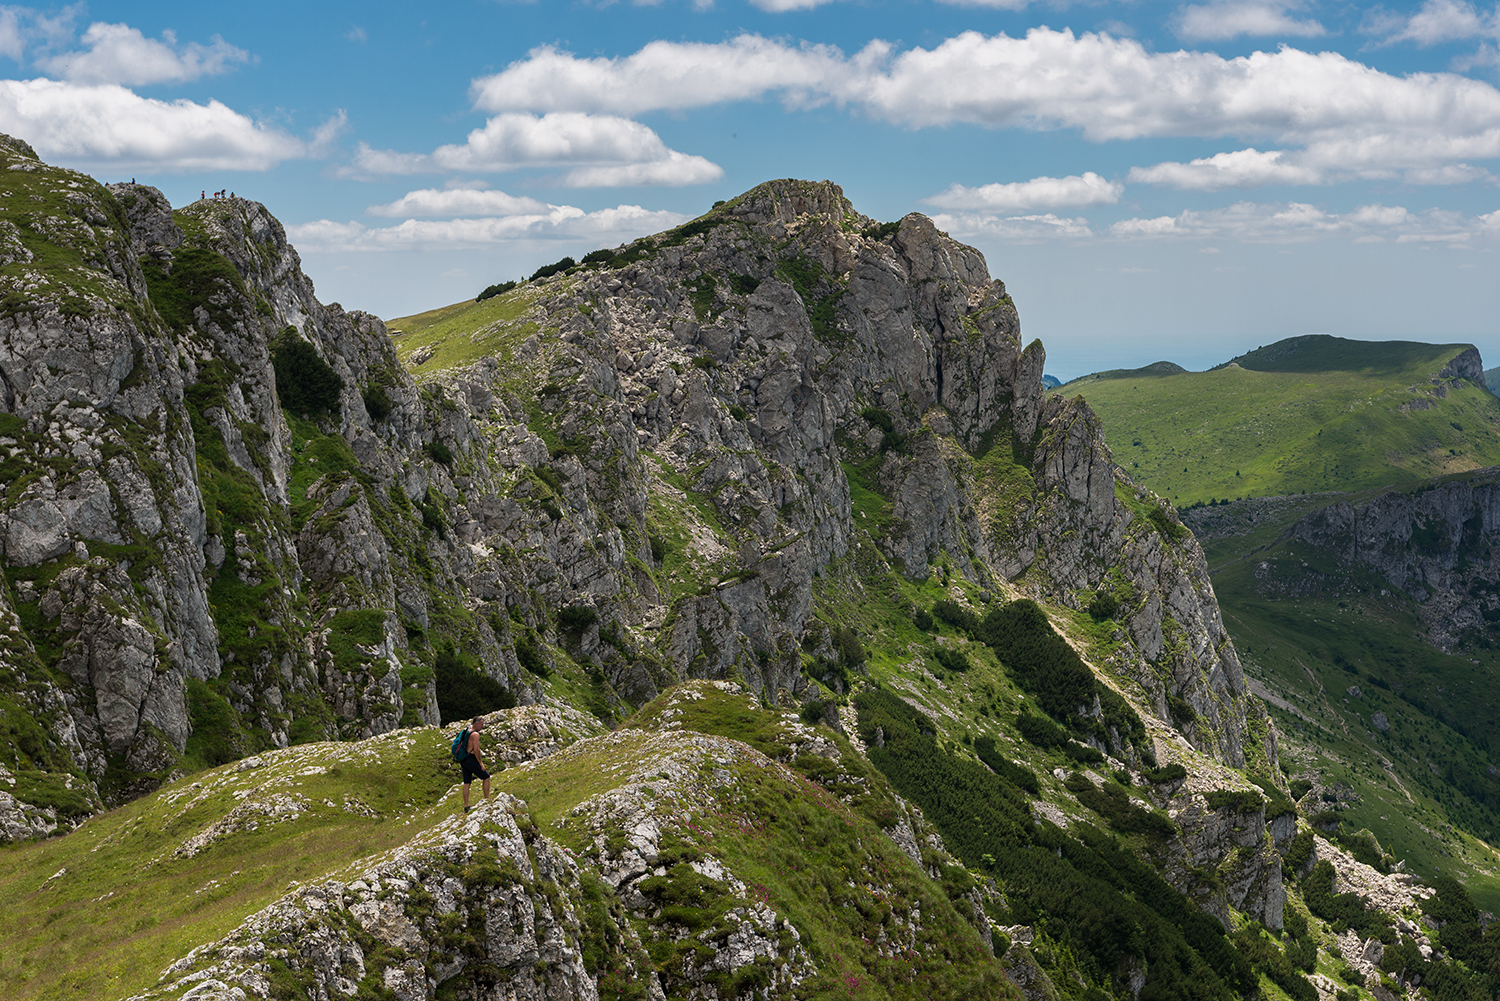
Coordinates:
(467,331)
(102,911)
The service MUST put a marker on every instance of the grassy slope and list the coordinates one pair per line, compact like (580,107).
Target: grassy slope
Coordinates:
(1238,432)
(1323,429)
(122,905)
(99,928)
(1308,629)
(464,332)
(783,834)
(1289,645)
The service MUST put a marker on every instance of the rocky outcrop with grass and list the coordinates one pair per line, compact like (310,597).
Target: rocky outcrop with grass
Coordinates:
(197,572)
(622,874)
(783,446)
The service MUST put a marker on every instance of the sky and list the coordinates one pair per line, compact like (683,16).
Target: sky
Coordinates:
(1152,180)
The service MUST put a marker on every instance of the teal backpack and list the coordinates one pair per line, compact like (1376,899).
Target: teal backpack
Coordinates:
(460,749)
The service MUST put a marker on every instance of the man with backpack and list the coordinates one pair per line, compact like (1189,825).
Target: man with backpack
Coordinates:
(466,753)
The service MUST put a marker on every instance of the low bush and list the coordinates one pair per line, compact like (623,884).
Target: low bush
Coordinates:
(1045,666)
(528,656)
(463,690)
(1016,775)
(955,615)
(305,383)
(576,618)
(851,650)
(1235,800)
(1103,606)
(493,290)
(378,403)
(951,659)
(548,270)
(1341,910)
(1082,753)
(1165,775)
(1118,809)
(1296,854)
(1039,731)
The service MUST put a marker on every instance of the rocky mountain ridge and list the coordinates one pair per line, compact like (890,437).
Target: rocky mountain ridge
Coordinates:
(751,455)
(209,497)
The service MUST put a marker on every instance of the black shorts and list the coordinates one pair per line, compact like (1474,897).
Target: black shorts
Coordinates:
(472,770)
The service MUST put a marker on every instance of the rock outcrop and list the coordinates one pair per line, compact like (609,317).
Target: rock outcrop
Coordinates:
(654,885)
(1437,543)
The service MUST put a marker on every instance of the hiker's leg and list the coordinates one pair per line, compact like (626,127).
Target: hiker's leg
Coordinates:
(466,795)
(486,787)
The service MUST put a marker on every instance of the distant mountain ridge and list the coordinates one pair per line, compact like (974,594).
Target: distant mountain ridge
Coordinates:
(1155,368)
(1308,413)
(1326,353)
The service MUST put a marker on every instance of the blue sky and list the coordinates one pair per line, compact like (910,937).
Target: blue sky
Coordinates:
(1180,180)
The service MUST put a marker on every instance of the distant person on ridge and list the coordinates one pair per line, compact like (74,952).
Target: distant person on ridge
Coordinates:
(472,764)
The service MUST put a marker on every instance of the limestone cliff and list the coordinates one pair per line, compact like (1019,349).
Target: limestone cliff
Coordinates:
(1437,543)
(236,519)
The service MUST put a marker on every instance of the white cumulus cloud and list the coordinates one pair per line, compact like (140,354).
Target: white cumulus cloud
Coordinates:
(1246,168)
(118,53)
(1038,193)
(992,4)
(1452,173)
(662,75)
(458,201)
(12,34)
(1298,222)
(1440,21)
(1012,229)
(782,6)
(110,125)
(604,150)
(1230,19)
(561,222)
(1347,115)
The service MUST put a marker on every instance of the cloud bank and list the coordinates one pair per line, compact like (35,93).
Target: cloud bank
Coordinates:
(1224,20)
(109,125)
(603,150)
(118,53)
(1038,193)
(1346,116)
(556,222)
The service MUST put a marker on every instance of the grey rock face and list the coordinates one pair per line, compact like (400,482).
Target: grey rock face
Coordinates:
(1085,521)
(666,445)
(1436,544)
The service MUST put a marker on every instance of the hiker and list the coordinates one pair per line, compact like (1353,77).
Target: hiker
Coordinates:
(472,764)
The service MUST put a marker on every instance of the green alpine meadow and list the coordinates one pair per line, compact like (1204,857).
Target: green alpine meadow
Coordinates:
(1303,415)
